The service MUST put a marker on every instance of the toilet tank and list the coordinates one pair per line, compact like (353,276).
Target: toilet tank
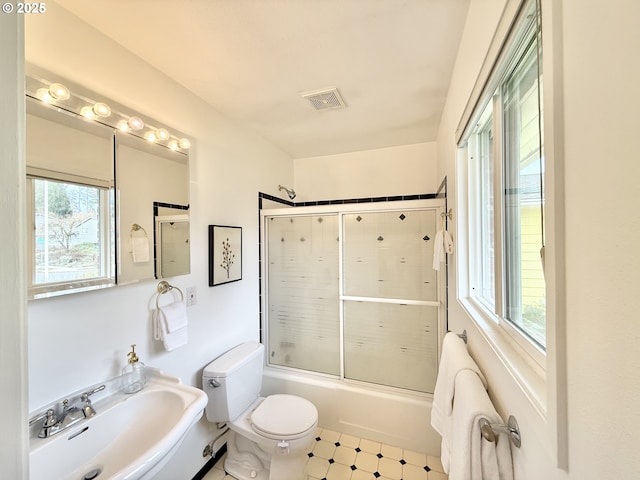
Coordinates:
(233,381)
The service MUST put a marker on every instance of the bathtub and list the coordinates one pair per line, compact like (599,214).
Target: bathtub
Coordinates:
(387,416)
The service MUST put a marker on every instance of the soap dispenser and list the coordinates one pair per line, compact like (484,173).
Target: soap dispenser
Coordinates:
(133,375)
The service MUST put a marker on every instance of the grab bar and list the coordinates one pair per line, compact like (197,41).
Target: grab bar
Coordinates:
(489,429)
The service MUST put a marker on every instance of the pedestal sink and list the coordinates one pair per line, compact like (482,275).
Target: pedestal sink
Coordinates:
(131,437)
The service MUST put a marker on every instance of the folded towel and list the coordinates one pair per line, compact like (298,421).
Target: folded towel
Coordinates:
(140,248)
(454,359)
(171,341)
(170,324)
(471,456)
(443,244)
(174,315)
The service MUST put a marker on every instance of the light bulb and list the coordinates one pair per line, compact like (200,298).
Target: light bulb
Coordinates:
(135,123)
(150,136)
(184,143)
(102,109)
(173,145)
(123,126)
(44,95)
(162,134)
(59,91)
(87,112)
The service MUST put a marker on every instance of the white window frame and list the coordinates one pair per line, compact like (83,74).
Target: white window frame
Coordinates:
(41,290)
(497,315)
(540,378)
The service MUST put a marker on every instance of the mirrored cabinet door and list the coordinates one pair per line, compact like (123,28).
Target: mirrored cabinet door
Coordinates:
(70,198)
(153,196)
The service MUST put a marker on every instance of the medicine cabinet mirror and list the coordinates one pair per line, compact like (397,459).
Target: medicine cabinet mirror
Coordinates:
(108,204)
(153,183)
(70,200)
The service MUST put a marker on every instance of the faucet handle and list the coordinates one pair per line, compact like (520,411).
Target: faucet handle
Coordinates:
(88,409)
(49,417)
(86,395)
(50,420)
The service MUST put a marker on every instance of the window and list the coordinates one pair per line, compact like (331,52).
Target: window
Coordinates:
(505,175)
(71,235)
(523,198)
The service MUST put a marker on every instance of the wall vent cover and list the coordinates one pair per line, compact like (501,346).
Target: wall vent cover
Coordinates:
(326,99)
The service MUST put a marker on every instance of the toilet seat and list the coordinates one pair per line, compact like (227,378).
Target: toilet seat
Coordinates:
(284,417)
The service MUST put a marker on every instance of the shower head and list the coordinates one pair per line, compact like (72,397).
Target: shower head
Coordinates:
(290,192)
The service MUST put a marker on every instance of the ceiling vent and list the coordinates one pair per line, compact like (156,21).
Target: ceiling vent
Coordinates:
(327,99)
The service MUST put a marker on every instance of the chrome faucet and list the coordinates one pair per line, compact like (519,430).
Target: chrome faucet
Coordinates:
(69,416)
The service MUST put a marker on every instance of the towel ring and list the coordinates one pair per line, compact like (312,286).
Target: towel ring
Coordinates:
(135,227)
(164,287)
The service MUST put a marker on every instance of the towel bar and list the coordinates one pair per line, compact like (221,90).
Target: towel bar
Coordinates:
(462,335)
(489,429)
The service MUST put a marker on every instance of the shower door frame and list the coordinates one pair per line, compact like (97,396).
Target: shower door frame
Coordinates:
(437,204)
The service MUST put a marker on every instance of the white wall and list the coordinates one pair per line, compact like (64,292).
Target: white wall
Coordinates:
(78,340)
(13,329)
(598,101)
(402,170)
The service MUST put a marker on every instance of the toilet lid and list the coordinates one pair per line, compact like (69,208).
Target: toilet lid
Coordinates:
(284,416)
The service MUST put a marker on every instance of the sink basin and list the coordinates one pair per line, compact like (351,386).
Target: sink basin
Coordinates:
(130,438)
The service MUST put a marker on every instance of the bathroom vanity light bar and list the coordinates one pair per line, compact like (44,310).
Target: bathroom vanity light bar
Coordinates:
(58,95)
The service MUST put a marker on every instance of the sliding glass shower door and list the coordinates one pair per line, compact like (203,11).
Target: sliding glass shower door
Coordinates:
(390,298)
(354,295)
(302,292)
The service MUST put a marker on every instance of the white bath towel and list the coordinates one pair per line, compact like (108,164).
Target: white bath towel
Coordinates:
(454,359)
(170,324)
(471,456)
(443,244)
(140,248)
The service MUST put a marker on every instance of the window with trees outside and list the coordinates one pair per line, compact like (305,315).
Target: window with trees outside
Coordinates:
(70,237)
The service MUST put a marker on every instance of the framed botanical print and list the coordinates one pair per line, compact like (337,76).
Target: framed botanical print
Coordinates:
(225,254)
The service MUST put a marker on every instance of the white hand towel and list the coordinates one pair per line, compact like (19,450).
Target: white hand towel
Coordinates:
(171,325)
(174,316)
(443,244)
(140,249)
(447,243)
(438,253)
(454,359)
(171,341)
(471,456)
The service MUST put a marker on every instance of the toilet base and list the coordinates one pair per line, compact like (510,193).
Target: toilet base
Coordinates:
(247,461)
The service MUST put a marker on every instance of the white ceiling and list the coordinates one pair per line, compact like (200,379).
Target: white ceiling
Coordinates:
(251,59)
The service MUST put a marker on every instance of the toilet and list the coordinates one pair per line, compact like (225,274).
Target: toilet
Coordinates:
(269,437)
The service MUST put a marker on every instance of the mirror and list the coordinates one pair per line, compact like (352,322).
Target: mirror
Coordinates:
(172,235)
(108,193)
(152,183)
(70,202)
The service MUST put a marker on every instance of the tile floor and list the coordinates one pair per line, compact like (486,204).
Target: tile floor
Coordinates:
(336,456)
